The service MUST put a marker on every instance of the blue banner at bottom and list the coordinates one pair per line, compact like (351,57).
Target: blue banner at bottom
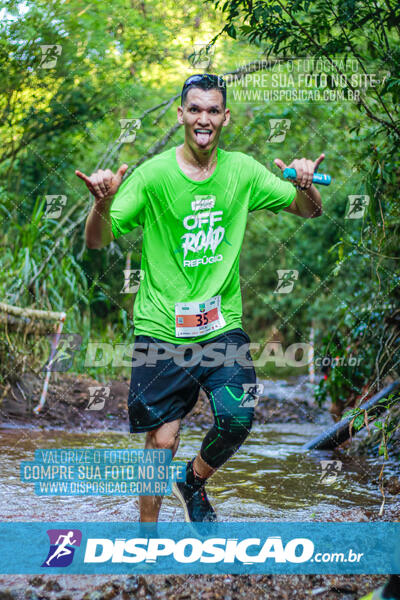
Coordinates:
(217,548)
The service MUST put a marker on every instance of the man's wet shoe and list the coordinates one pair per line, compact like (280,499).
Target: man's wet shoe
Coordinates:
(195,502)
(193,497)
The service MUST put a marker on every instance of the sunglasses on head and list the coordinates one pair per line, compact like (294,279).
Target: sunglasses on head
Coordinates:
(204,77)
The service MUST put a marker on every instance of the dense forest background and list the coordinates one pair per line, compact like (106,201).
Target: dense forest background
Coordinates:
(128,60)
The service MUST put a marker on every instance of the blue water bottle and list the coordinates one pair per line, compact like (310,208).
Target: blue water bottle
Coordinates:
(319,178)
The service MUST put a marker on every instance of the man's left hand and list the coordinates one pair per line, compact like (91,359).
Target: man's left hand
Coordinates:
(305,169)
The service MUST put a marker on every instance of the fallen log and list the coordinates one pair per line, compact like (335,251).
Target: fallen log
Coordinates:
(47,315)
(25,325)
(341,431)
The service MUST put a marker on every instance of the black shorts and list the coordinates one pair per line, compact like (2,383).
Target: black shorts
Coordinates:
(166,378)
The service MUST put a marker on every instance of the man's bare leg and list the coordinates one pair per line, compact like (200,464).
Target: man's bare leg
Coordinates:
(201,468)
(165,437)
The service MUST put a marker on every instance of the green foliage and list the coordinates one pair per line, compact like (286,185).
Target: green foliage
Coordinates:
(21,264)
(64,289)
(359,297)
(386,427)
(116,62)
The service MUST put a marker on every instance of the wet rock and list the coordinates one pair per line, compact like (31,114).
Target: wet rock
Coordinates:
(318,591)
(52,585)
(393,485)
(8,595)
(145,585)
(31,594)
(137,584)
(344,588)
(132,584)
(94,595)
(106,591)
(36,581)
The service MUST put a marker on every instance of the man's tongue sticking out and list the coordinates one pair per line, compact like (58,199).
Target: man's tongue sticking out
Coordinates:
(202,136)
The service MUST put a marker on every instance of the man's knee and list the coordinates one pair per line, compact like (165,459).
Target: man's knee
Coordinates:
(235,426)
(232,415)
(163,438)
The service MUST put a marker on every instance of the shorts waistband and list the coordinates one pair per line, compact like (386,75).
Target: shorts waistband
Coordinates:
(222,337)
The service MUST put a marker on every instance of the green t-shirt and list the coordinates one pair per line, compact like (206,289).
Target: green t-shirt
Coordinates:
(192,237)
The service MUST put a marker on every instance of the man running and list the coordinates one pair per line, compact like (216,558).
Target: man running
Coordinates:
(192,202)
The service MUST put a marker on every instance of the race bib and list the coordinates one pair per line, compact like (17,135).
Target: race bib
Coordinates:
(198,318)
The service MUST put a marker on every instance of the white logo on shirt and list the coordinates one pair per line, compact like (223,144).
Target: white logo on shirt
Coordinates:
(203,202)
(195,242)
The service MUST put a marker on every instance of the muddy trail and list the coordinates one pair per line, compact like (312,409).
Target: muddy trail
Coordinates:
(69,395)
(270,479)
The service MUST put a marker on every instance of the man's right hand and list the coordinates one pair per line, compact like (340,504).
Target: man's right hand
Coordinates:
(103,184)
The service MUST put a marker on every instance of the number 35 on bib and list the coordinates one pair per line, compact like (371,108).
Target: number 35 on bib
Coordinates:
(193,319)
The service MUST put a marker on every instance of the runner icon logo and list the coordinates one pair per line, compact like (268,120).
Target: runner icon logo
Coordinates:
(54,206)
(278,130)
(201,55)
(287,277)
(62,358)
(132,280)
(356,207)
(330,470)
(97,397)
(50,54)
(128,130)
(252,392)
(62,547)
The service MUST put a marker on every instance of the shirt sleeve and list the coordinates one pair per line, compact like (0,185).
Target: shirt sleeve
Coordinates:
(268,190)
(128,208)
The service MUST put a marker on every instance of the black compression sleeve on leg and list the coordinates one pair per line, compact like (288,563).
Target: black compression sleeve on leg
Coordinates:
(220,444)
(232,424)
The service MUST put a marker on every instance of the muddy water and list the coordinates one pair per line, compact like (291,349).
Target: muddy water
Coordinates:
(270,478)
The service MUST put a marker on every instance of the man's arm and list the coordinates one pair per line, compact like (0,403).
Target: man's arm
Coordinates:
(307,203)
(98,225)
(103,185)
